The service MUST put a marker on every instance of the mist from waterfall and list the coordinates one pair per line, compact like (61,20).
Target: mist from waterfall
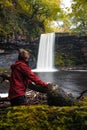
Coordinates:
(45,61)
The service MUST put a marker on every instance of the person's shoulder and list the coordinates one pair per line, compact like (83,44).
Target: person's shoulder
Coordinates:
(23,64)
(18,64)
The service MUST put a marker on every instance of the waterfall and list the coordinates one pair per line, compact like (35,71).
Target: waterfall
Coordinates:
(45,59)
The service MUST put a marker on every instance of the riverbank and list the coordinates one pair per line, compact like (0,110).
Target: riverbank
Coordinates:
(74,68)
(44,117)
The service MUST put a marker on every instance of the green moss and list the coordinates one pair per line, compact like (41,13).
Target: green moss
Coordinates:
(44,117)
(4,70)
(58,59)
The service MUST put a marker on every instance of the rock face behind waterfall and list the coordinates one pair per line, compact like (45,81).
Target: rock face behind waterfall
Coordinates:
(58,97)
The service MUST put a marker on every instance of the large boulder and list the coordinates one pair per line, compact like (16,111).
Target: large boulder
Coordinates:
(58,97)
(55,94)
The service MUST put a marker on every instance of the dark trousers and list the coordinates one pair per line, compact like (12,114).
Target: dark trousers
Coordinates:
(21,100)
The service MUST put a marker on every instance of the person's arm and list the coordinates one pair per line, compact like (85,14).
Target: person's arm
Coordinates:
(32,76)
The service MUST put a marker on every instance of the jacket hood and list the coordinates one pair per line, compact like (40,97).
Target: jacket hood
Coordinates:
(17,63)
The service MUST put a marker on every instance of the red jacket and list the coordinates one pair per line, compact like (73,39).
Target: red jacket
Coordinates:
(21,76)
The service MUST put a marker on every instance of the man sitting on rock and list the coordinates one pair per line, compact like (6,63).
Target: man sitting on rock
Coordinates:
(20,78)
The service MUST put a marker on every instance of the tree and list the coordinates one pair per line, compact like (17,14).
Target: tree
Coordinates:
(79,16)
(64,21)
(27,17)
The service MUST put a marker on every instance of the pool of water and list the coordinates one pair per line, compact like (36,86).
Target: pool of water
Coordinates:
(72,81)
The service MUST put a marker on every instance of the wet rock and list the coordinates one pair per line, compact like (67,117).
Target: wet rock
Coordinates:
(55,94)
(58,97)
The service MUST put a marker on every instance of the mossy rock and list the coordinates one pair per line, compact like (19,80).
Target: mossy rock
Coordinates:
(56,96)
(44,117)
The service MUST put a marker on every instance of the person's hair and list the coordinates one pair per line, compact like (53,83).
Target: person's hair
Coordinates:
(21,54)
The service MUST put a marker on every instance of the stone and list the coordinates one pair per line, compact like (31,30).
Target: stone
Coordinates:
(58,97)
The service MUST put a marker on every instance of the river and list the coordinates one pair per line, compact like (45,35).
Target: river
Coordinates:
(72,81)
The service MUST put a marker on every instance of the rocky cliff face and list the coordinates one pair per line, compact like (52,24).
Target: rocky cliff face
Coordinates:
(70,50)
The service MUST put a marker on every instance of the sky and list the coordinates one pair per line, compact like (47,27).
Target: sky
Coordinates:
(67,3)
(64,4)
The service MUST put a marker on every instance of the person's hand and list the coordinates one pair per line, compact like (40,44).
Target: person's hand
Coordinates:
(49,84)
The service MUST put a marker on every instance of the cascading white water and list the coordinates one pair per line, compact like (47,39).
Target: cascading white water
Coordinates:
(46,53)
